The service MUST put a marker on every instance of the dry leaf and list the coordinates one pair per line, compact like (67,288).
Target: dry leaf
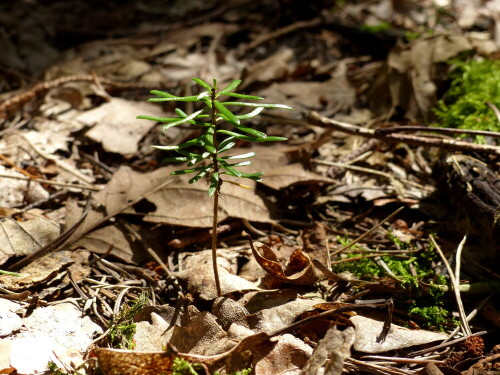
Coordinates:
(115,124)
(368,332)
(331,352)
(288,356)
(20,238)
(300,270)
(180,203)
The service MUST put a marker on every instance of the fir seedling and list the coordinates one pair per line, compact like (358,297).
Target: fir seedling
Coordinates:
(204,154)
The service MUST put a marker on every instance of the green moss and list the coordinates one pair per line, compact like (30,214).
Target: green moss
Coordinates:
(368,269)
(183,367)
(474,83)
(434,317)
(123,328)
(412,35)
(373,29)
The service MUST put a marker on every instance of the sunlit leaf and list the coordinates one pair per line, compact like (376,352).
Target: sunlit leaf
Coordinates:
(180,112)
(251,139)
(214,184)
(201,82)
(158,119)
(263,105)
(182,120)
(254,113)
(193,98)
(226,113)
(241,156)
(226,145)
(162,94)
(229,168)
(252,176)
(188,170)
(203,95)
(251,131)
(243,96)
(199,141)
(175,159)
(200,174)
(230,87)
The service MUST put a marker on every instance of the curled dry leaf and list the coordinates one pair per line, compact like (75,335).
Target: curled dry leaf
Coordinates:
(300,269)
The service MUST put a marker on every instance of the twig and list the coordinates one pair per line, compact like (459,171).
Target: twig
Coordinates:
(352,243)
(444,345)
(412,129)
(453,144)
(370,171)
(471,316)
(402,360)
(50,182)
(455,284)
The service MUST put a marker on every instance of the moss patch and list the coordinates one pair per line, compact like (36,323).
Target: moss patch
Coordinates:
(474,83)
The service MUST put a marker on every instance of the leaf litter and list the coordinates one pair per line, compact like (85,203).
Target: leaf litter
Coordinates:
(91,221)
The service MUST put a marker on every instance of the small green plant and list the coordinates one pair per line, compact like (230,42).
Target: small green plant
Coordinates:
(184,367)
(434,317)
(206,156)
(374,29)
(474,84)
(122,328)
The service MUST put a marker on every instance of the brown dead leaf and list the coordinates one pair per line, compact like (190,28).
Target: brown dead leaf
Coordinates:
(115,124)
(288,356)
(300,269)
(315,242)
(180,203)
(273,68)
(368,332)
(201,334)
(412,73)
(200,281)
(100,240)
(334,95)
(43,270)
(331,352)
(20,238)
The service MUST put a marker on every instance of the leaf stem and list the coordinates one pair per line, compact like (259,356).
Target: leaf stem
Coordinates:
(216,196)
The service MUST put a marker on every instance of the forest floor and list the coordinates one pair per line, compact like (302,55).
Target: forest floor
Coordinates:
(371,245)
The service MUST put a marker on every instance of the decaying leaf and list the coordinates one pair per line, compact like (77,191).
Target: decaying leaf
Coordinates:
(331,352)
(368,336)
(180,203)
(299,270)
(41,271)
(19,238)
(289,355)
(115,124)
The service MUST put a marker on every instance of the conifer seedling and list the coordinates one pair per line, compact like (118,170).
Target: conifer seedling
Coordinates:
(206,155)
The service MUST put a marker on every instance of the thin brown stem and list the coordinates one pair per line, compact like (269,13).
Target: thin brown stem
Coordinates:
(216,201)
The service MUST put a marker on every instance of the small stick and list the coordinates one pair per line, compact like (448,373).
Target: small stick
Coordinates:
(49,182)
(455,284)
(368,232)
